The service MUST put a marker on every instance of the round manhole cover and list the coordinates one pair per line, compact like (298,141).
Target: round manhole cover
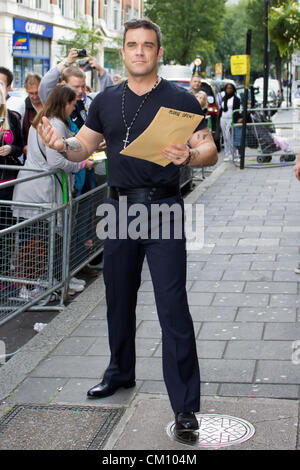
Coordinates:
(214,431)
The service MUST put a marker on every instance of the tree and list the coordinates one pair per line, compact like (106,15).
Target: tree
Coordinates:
(190,28)
(85,37)
(255,15)
(284,27)
(233,39)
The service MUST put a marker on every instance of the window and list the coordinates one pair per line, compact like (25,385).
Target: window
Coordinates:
(76,9)
(128,13)
(105,11)
(61,4)
(38,3)
(117,16)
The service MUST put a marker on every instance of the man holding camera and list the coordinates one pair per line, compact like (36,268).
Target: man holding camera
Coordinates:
(67,73)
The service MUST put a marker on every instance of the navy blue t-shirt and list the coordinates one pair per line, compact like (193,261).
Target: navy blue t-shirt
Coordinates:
(105,117)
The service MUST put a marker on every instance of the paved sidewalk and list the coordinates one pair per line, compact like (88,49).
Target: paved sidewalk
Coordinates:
(244,299)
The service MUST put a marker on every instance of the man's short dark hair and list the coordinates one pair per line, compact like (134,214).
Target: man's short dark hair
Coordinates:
(8,74)
(145,23)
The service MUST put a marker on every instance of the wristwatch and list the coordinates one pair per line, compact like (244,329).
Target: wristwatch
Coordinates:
(65,63)
(67,146)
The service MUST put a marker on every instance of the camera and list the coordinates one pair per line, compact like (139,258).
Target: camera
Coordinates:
(81,52)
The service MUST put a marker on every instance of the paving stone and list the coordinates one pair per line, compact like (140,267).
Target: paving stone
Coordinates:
(227,370)
(286,300)
(258,242)
(205,349)
(149,329)
(92,328)
(76,346)
(259,390)
(209,313)
(286,276)
(37,390)
(230,330)
(146,298)
(267,314)
(197,298)
(71,367)
(245,349)
(277,372)
(210,274)
(286,331)
(241,300)
(272,287)
(246,275)
(217,286)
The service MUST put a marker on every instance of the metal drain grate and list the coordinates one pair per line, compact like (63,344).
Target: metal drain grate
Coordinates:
(57,427)
(215,431)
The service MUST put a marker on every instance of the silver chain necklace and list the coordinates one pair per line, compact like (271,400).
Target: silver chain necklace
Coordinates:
(128,128)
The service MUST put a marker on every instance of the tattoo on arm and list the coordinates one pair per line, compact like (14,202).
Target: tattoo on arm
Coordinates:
(74,144)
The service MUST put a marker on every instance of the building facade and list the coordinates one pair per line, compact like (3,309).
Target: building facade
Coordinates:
(30,31)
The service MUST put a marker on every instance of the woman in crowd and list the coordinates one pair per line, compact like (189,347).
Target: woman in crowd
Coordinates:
(58,107)
(11,146)
(230,103)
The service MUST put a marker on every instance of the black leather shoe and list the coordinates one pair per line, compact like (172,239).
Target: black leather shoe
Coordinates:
(103,390)
(186,422)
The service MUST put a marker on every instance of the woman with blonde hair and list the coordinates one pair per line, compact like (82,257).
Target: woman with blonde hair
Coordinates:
(11,145)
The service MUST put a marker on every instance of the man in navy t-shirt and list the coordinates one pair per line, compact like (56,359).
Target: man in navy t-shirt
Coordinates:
(120,114)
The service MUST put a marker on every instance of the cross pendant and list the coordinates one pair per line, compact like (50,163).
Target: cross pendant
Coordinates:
(126,141)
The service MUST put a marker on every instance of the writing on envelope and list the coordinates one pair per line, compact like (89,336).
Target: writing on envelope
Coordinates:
(169,126)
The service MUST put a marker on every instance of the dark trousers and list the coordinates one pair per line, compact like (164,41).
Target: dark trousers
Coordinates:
(123,261)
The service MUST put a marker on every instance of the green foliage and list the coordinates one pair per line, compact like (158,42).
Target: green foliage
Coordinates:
(284,27)
(85,37)
(235,28)
(190,28)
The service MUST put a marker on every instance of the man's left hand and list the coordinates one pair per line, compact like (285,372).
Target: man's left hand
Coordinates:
(177,153)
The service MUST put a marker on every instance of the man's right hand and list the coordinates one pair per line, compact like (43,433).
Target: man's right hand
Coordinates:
(72,56)
(50,136)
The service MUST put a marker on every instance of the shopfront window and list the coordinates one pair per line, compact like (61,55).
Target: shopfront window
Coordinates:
(17,72)
(61,4)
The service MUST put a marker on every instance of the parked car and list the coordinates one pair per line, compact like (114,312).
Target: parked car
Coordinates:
(274,98)
(176,73)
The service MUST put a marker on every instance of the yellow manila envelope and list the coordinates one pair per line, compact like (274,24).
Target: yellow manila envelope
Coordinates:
(169,126)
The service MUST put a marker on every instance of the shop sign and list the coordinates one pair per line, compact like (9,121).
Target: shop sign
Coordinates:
(21,42)
(29,27)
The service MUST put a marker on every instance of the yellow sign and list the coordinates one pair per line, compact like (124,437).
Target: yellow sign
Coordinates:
(218,68)
(240,65)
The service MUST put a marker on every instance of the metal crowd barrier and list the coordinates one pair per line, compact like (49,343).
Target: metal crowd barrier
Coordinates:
(272,137)
(39,254)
